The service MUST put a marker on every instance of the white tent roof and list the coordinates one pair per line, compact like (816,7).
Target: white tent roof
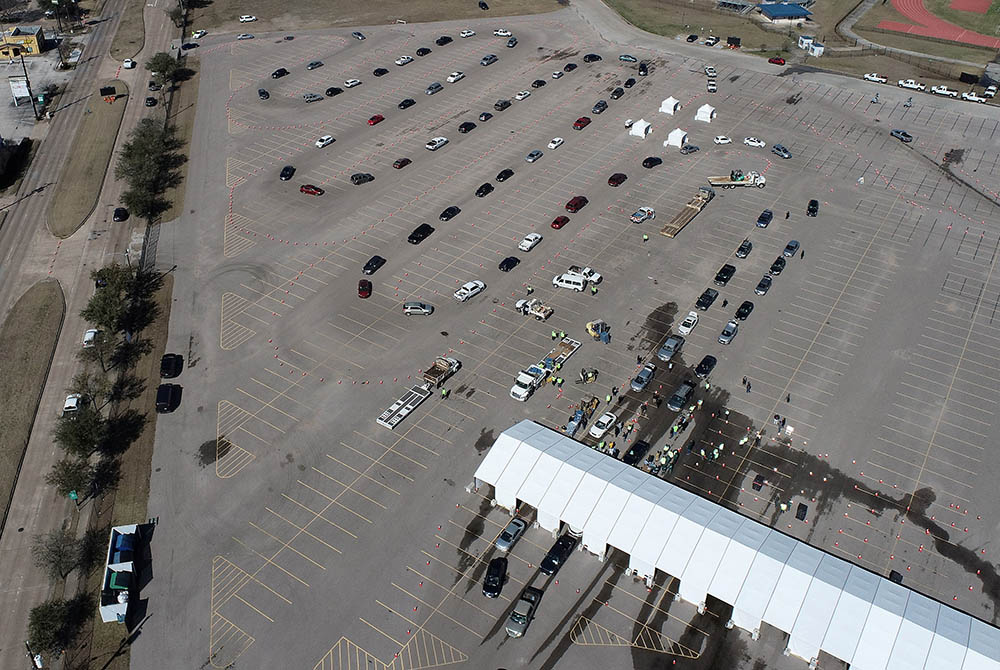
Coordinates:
(822,601)
(670,105)
(676,138)
(705,110)
(640,128)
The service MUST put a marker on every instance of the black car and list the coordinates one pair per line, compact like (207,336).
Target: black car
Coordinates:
(188,45)
(154,87)
(557,555)
(168,397)
(617,179)
(420,233)
(120,214)
(509,263)
(569,67)
(635,453)
(263,94)
(705,367)
(501,105)
(286,172)
(423,51)
(765,218)
(643,69)
(359,178)
(485,116)
(496,576)
(373,264)
(504,175)
(591,58)
(629,83)
(449,213)
(538,83)
(512,42)
(706,299)
(745,248)
(380,72)
(777,266)
(279,73)
(441,41)
(652,162)
(744,310)
(692,38)
(483,6)
(333,90)
(617,93)
(813,208)
(409,102)
(724,274)
(150,101)
(466,127)
(171,365)
(484,190)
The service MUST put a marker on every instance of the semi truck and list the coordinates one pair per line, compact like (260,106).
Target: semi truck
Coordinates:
(531,378)
(738,178)
(689,211)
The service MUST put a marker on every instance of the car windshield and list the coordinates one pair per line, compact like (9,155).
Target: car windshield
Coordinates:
(517,617)
(506,536)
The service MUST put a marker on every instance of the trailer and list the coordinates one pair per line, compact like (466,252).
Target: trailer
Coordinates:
(400,409)
(690,210)
(738,178)
(530,379)
(533,307)
(442,368)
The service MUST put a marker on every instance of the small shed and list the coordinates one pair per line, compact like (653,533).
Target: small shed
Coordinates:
(670,105)
(816,49)
(805,41)
(640,128)
(705,113)
(676,138)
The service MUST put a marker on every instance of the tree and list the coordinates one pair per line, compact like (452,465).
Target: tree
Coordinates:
(105,476)
(121,431)
(163,67)
(106,307)
(125,387)
(79,433)
(69,474)
(148,164)
(176,14)
(55,624)
(56,553)
(90,550)
(94,386)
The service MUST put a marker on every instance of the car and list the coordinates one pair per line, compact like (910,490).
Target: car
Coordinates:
(692,38)
(651,162)
(628,58)
(902,136)
(599,107)
(423,51)
(710,71)
(495,577)
(670,348)
(466,126)
(642,214)
(420,233)
(511,42)
(763,285)
(743,311)
(777,266)
(375,119)
(606,422)
(617,179)
(244,36)
(401,163)
(689,149)
(876,77)
(333,90)
(279,73)
(680,396)
(711,86)
(120,214)
(559,222)
(556,142)
(351,83)
(509,263)
(488,59)
(780,150)
(990,91)
(359,178)
(309,189)
(754,142)
(467,33)
(436,143)
(325,141)
(581,123)
(449,213)
(521,95)
(629,83)
(776,60)
(364,289)
(724,274)
(373,264)
(712,41)
(641,380)
(314,64)
(812,209)
(635,453)
(485,116)
(434,87)
(706,299)
(403,60)
(444,39)
(504,175)
(357,35)
(791,249)
(247,18)
(380,72)
(455,76)
(558,74)
(643,69)
(617,93)
(501,105)
(972,97)
(469,290)
(529,242)
(570,67)
(501,32)
(414,307)
(765,218)
(171,366)
(90,337)
(153,87)
(406,103)
(312,97)
(591,58)
(511,533)
(911,84)
(286,172)
(728,332)
(484,190)
(533,156)
(72,404)
(722,139)
(576,203)
(558,554)
(688,324)
(746,246)
(705,366)
(538,83)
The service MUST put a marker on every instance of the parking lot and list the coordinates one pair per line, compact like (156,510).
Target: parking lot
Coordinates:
(336,543)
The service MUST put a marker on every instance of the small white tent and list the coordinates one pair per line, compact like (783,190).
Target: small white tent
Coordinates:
(670,105)
(676,138)
(640,128)
(705,113)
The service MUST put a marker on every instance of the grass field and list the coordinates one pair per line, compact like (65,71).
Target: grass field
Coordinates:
(182,111)
(131,35)
(82,176)
(881,12)
(29,335)
(987,24)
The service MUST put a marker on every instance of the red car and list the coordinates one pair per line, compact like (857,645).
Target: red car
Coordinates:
(378,118)
(581,123)
(617,179)
(309,189)
(576,203)
(401,163)
(364,288)
(559,222)
(777,60)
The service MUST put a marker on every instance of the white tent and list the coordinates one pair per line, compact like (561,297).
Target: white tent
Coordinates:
(640,128)
(676,138)
(670,105)
(705,113)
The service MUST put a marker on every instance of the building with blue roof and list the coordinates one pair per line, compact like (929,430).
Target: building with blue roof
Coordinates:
(783,11)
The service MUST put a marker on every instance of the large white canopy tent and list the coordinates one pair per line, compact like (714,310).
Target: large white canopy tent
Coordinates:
(640,128)
(820,600)
(705,113)
(676,138)
(670,105)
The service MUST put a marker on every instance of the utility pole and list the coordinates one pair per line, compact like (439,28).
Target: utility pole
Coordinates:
(27,81)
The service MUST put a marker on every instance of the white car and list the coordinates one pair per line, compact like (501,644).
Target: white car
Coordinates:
(688,324)
(990,91)
(351,83)
(556,142)
(469,290)
(324,141)
(198,34)
(403,60)
(754,142)
(875,76)
(501,32)
(911,84)
(521,95)
(643,214)
(467,33)
(436,143)
(558,74)
(128,64)
(455,76)
(944,90)
(710,72)
(722,139)
(247,18)
(72,403)
(244,36)
(972,97)
(529,242)
(603,425)
(90,338)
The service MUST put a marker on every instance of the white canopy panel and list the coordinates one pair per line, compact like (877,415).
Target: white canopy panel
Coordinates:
(513,476)
(546,469)
(609,509)
(637,511)
(708,555)
(640,128)
(589,491)
(676,138)
(852,611)
(563,487)
(737,561)
(821,600)
(881,628)
(670,105)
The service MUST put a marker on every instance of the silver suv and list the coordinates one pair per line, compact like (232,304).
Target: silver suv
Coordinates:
(312,97)
(421,308)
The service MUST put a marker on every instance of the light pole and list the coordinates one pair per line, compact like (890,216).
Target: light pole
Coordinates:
(27,81)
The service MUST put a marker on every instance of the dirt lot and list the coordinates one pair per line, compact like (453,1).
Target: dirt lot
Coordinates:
(943,49)
(131,35)
(29,335)
(83,175)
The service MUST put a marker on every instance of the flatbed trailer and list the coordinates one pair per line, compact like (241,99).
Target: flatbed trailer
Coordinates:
(690,210)
(738,178)
(400,409)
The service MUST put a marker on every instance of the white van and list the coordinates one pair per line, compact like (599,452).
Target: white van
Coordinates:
(575,282)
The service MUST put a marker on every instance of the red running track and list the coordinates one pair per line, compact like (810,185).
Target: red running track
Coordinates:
(929,25)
